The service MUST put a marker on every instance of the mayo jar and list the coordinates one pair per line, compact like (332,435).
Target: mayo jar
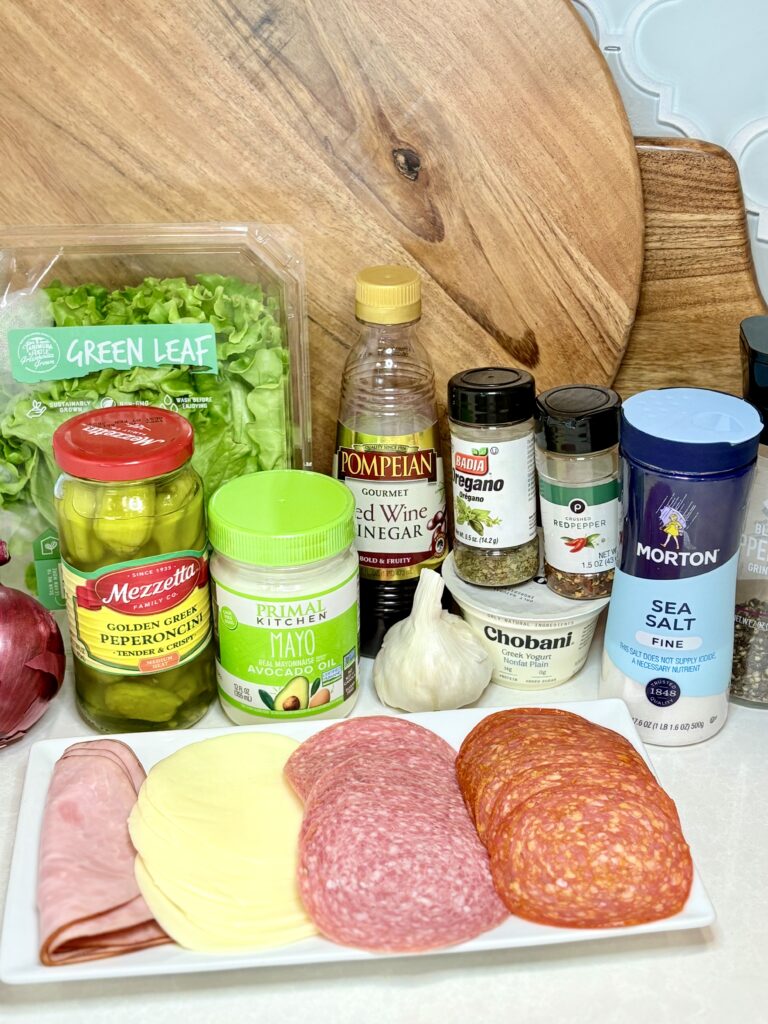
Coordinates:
(284,575)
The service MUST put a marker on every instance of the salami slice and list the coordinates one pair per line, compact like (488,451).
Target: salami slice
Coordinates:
(380,733)
(387,871)
(389,860)
(592,857)
(425,778)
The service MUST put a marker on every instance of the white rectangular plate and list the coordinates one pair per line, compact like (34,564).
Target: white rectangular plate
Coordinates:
(19,963)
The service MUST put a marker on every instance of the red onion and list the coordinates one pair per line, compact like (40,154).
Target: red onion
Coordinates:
(32,660)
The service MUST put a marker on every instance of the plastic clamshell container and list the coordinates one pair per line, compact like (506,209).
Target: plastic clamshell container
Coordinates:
(231,295)
(536,638)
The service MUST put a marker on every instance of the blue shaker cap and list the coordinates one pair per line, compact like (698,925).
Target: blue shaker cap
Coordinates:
(690,430)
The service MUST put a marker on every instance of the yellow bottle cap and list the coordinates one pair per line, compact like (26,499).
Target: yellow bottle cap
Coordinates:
(388,295)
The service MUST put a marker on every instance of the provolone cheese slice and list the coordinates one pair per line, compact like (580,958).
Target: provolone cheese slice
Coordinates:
(219,933)
(216,827)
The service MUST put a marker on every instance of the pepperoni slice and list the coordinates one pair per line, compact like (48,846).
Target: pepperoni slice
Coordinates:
(507,747)
(575,769)
(593,857)
(587,765)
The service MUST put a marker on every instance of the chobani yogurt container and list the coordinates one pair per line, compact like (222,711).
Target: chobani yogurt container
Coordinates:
(536,638)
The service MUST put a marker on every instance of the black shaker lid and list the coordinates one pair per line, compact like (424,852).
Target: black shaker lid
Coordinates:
(491,396)
(754,366)
(577,419)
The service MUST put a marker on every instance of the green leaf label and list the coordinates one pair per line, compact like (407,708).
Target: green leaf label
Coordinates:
(61,353)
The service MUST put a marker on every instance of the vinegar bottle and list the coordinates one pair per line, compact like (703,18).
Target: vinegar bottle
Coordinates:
(388,450)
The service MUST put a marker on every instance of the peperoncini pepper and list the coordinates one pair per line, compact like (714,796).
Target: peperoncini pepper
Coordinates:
(125,518)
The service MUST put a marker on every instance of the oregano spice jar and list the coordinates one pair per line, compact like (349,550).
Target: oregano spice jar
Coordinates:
(494,478)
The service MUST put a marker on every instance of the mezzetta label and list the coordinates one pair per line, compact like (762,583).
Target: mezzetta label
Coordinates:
(140,617)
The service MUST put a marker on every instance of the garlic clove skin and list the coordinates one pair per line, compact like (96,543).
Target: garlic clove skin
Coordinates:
(431,661)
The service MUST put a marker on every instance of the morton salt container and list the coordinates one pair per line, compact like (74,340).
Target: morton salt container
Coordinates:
(687,460)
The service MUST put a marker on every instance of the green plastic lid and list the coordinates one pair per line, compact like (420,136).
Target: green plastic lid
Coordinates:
(282,517)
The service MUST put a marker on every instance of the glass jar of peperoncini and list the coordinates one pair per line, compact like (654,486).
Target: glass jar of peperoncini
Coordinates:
(131,522)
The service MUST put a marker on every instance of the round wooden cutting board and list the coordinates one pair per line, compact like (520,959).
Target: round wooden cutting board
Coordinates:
(478,140)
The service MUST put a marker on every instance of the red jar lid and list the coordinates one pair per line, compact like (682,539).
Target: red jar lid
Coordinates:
(125,442)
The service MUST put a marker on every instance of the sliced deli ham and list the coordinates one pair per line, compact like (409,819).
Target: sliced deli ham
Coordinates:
(88,899)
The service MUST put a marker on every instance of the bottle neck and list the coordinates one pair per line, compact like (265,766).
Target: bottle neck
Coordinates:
(388,385)
(389,338)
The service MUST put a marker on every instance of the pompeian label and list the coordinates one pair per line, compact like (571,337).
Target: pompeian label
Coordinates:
(139,617)
(387,465)
(399,495)
(580,525)
(55,353)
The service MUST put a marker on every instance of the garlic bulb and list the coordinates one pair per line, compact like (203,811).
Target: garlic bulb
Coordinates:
(431,661)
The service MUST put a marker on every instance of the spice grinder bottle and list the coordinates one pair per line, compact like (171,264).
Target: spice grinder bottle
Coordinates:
(388,450)
(494,478)
(687,460)
(749,681)
(577,457)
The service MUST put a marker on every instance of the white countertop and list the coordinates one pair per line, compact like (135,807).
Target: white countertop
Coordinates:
(716,974)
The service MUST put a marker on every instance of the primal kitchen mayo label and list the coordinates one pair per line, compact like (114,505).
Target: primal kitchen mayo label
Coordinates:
(581,526)
(296,657)
(399,494)
(140,617)
(494,492)
(669,636)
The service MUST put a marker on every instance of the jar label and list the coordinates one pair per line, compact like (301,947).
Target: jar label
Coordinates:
(291,657)
(494,492)
(139,617)
(580,525)
(399,494)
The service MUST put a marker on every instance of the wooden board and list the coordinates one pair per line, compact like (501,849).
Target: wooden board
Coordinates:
(482,142)
(698,280)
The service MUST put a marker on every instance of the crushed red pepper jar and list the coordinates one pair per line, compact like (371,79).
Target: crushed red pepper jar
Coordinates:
(577,458)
